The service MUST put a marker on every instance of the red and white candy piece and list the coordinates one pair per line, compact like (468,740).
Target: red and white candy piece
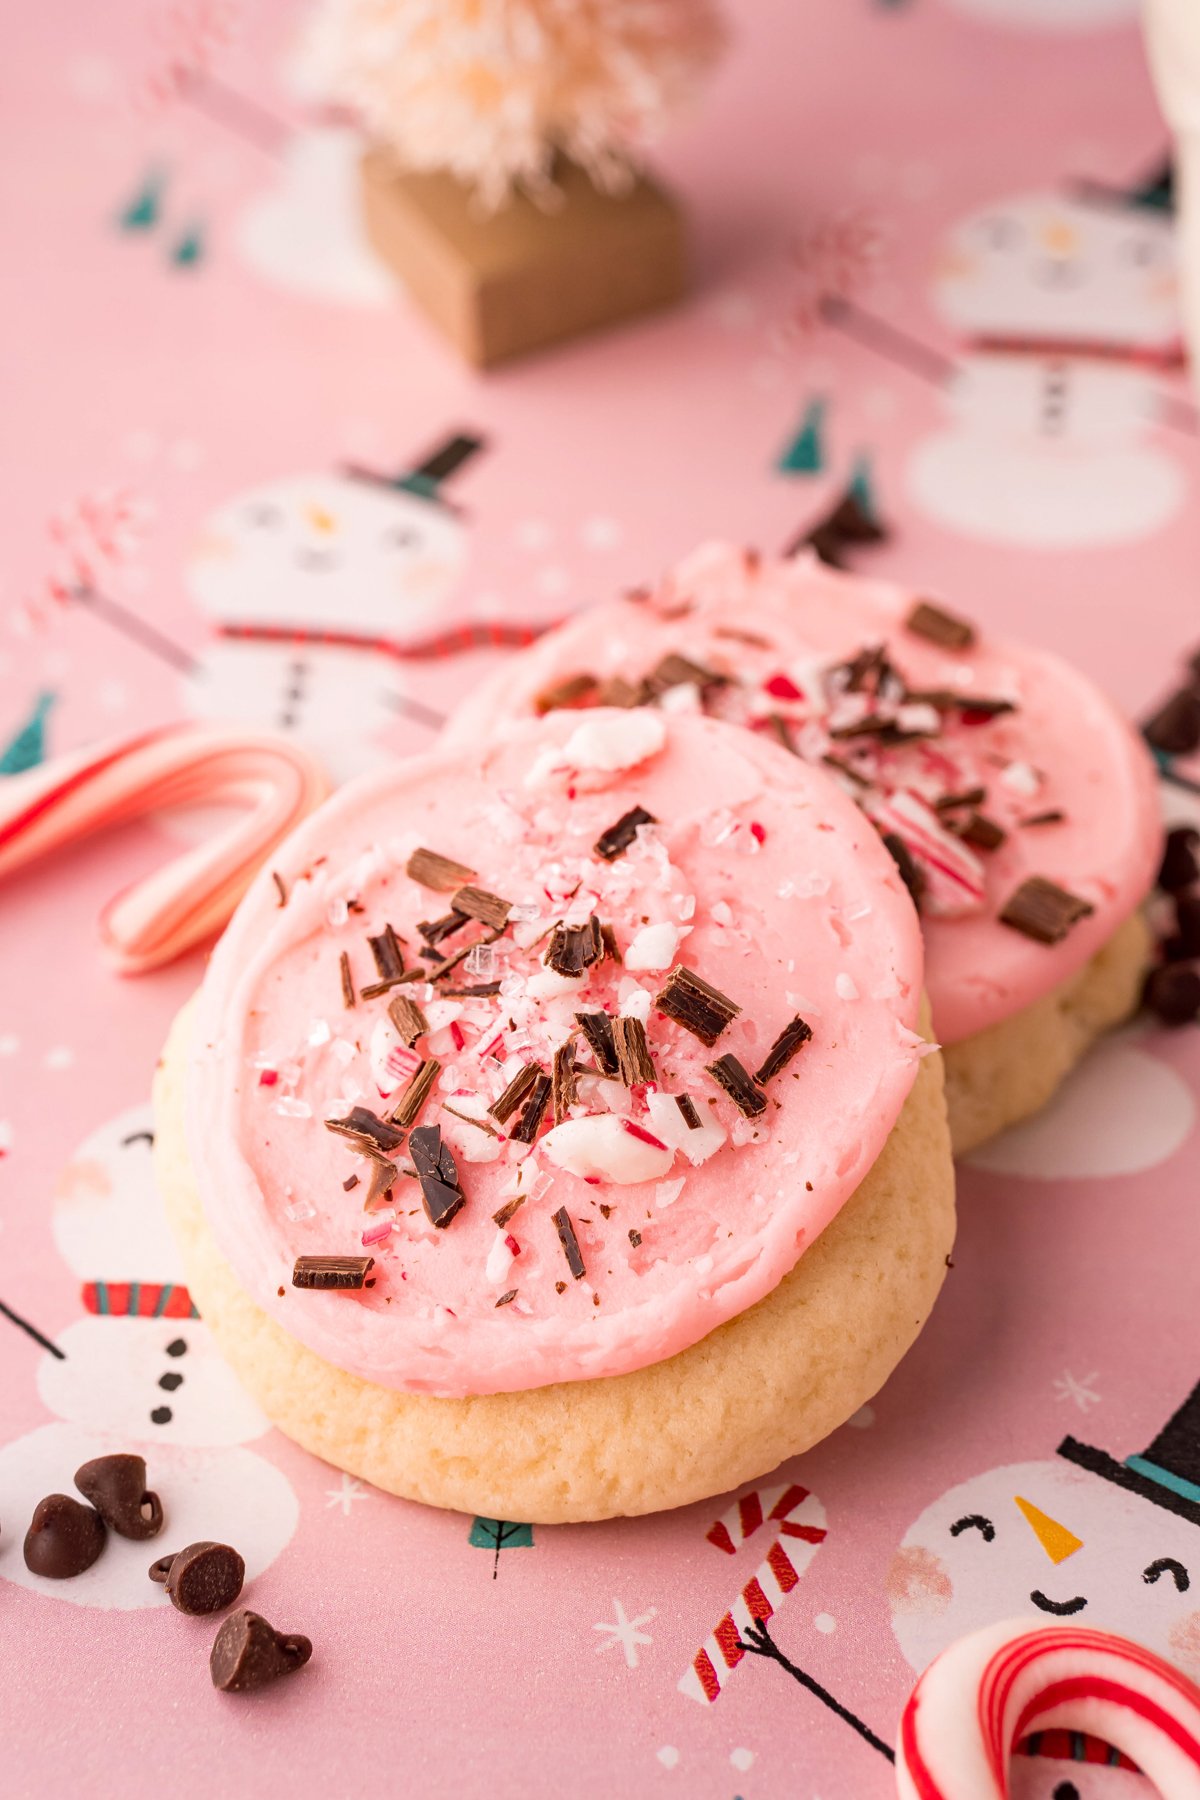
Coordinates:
(990,1690)
(273,783)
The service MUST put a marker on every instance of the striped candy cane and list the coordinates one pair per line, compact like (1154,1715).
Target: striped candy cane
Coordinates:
(975,1703)
(799,1521)
(272,782)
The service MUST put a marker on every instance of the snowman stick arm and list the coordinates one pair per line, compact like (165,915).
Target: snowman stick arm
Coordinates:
(32,1331)
(137,630)
(416,710)
(759,1642)
(236,111)
(887,340)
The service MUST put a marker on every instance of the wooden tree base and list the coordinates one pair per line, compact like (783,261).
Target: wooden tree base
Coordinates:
(502,285)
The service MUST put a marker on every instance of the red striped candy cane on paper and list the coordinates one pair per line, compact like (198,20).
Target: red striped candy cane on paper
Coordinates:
(271,781)
(799,1521)
(990,1690)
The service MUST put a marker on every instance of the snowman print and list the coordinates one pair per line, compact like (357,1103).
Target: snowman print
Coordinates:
(138,1372)
(319,588)
(1062,307)
(1081,1536)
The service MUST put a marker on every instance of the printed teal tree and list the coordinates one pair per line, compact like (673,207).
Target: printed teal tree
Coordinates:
(804,453)
(497,1535)
(27,748)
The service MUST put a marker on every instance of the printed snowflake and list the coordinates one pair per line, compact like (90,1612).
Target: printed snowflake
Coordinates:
(838,254)
(1082,1392)
(626,1632)
(346,1494)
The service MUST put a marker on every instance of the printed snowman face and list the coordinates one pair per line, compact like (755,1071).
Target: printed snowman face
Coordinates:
(1051,1541)
(1049,269)
(329,553)
(155,1379)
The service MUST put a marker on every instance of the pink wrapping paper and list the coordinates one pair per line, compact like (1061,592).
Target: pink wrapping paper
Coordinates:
(179,406)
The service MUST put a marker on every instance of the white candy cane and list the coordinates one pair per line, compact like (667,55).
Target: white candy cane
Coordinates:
(272,782)
(990,1690)
(799,1521)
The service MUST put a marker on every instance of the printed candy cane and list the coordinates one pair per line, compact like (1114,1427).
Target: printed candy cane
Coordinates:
(799,1518)
(990,1690)
(272,782)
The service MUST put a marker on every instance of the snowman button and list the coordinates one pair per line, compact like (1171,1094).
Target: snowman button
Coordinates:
(64,1537)
(116,1487)
(203,1578)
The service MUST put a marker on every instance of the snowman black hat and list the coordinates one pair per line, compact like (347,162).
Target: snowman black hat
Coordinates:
(1153,191)
(426,478)
(1167,1471)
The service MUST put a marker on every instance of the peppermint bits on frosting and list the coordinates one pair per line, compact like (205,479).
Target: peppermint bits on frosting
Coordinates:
(606,745)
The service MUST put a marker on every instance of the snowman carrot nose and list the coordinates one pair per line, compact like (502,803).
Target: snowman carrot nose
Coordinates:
(1055,1539)
(1058,237)
(319,519)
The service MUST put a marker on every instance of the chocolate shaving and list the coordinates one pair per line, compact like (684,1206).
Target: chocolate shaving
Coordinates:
(795,1033)
(572,690)
(845,524)
(365,1129)
(574,948)
(743,637)
(444,967)
(616,691)
(350,1183)
(408,1019)
(1054,817)
(954,802)
(507,1211)
(634,1063)
(1175,727)
(564,1085)
(480,990)
(616,840)
(777,727)
(687,1107)
(437,1173)
(982,832)
(477,903)
(389,959)
(844,768)
(437,872)
(383,1174)
(635,1238)
(416,1092)
(674,670)
(939,627)
(911,872)
(1044,911)
(332,1271)
(434,930)
(280,888)
(569,1242)
(984,706)
(730,1074)
(506,1299)
(373,989)
(480,1124)
(516,1093)
(528,1125)
(597,1029)
(611,948)
(692,1003)
(348,995)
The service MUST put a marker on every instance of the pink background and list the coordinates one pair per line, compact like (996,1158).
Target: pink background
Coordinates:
(189,384)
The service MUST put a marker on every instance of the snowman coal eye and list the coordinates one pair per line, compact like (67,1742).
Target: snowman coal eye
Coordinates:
(974,1522)
(1143,253)
(265,515)
(1166,1565)
(138,1137)
(400,537)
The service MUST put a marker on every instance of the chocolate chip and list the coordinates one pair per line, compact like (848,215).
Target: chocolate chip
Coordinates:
(116,1487)
(846,523)
(64,1537)
(1180,864)
(1175,727)
(367,1131)
(940,627)
(687,1107)
(248,1653)
(203,1578)
(1172,993)
(437,1172)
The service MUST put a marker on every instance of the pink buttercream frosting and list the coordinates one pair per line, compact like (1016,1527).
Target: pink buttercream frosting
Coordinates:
(1064,776)
(758,874)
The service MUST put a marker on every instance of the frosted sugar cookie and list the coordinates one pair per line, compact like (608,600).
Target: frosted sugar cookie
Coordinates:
(553,1135)
(1019,803)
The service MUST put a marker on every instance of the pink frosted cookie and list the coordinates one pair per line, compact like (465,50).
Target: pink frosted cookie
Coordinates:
(1020,805)
(550,1103)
